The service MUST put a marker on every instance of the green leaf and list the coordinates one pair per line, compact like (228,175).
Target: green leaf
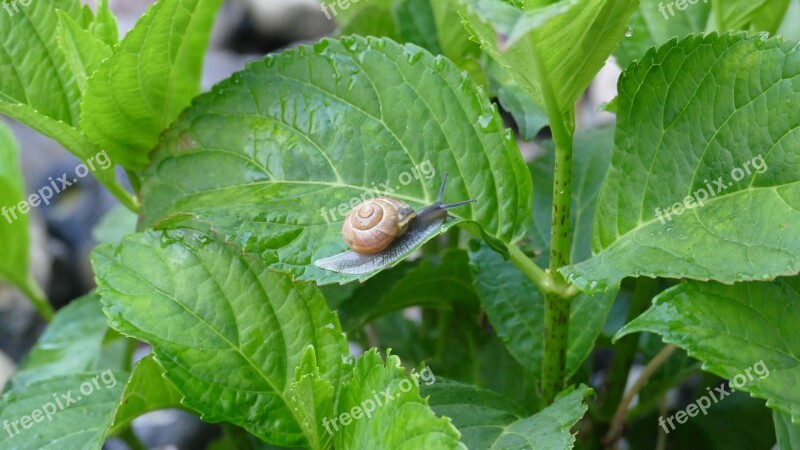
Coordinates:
(756,319)
(516,309)
(146,391)
(314,395)
(275,157)
(788,433)
(71,344)
(488,421)
(229,333)
(104,25)
(758,15)
(652,25)
(83,50)
(153,74)
(479,414)
(447,285)
(33,69)
(379,407)
(416,24)
(13,224)
(573,37)
(72,411)
(681,135)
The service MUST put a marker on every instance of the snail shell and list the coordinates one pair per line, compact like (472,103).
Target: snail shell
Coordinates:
(383,231)
(373,224)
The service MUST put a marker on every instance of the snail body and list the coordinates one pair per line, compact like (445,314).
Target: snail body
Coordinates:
(381,231)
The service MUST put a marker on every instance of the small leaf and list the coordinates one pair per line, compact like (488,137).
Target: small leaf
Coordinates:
(153,74)
(229,333)
(104,26)
(724,144)
(275,157)
(756,319)
(489,421)
(83,51)
(529,117)
(751,15)
(146,391)
(71,344)
(379,407)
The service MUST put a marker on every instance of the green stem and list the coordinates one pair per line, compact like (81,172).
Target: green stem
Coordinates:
(535,273)
(557,305)
(32,290)
(130,438)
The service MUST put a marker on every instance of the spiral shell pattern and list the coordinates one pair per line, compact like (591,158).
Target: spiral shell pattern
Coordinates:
(373,224)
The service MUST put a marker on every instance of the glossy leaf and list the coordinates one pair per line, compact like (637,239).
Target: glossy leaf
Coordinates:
(153,74)
(275,157)
(229,333)
(516,310)
(573,37)
(756,319)
(398,417)
(681,137)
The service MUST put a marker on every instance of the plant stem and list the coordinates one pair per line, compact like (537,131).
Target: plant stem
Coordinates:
(32,290)
(535,273)
(622,410)
(130,438)
(556,306)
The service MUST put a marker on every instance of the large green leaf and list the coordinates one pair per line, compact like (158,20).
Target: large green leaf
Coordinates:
(33,69)
(229,333)
(275,157)
(153,74)
(744,330)
(705,112)
(380,407)
(573,37)
(13,224)
(516,309)
(489,421)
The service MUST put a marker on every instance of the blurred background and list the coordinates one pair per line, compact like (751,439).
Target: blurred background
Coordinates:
(64,233)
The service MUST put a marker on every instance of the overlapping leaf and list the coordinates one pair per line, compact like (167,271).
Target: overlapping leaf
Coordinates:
(709,122)
(229,333)
(745,330)
(153,74)
(274,158)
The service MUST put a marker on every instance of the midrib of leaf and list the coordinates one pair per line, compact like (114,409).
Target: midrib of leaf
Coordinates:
(278,392)
(74,116)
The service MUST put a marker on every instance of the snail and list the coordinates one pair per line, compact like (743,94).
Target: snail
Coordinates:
(382,230)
